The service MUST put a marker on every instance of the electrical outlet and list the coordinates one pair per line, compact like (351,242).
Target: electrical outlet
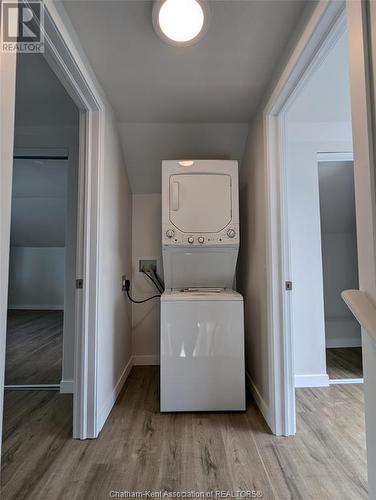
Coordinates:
(147,265)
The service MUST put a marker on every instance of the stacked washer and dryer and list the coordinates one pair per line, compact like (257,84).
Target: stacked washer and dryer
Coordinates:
(202,326)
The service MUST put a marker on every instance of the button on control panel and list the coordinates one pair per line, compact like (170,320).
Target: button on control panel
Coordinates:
(201,239)
(170,233)
(191,240)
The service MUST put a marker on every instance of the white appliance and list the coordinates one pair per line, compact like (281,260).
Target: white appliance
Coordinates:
(202,331)
(200,223)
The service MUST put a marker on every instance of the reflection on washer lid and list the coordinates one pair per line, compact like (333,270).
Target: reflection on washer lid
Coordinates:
(201,294)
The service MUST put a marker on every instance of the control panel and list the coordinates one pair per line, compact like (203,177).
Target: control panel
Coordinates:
(172,236)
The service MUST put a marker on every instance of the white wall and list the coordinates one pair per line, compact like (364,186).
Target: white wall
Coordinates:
(304,142)
(146,243)
(251,274)
(114,309)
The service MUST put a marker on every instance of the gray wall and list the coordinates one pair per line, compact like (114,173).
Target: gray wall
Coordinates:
(36,277)
(38,226)
(339,250)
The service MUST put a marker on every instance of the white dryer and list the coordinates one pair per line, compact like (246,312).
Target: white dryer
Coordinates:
(200,223)
(202,330)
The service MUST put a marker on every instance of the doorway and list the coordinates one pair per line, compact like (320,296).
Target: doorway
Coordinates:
(40,341)
(37,268)
(294,145)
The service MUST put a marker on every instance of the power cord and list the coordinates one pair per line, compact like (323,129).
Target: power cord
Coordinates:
(157,278)
(155,283)
(127,287)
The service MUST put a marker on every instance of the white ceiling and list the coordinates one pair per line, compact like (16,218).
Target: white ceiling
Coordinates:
(220,79)
(337,197)
(174,102)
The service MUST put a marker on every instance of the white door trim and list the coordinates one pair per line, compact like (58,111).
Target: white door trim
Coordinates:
(322,31)
(72,73)
(335,156)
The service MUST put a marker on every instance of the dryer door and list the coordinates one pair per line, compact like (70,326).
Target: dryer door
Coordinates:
(200,203)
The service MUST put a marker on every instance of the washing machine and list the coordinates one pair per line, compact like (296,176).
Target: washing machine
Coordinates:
(202,351)
(202,330)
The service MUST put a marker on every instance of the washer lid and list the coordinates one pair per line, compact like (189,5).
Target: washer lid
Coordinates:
(201,294)
(200,203)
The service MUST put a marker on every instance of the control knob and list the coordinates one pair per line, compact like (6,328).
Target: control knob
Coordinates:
(170,233)
(200,239)
(231,233)
(191,240)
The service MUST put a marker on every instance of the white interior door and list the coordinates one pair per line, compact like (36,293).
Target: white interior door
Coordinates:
(362,53)
(200,203)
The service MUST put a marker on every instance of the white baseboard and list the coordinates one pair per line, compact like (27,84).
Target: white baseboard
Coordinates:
(107,407)
(319,380)
(37,307)
(66,386)
(335,343)
(264,408)
(341,381)
(146,359)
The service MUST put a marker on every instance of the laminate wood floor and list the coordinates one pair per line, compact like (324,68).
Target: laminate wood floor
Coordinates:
(344,362)
(141,449)
(34,347)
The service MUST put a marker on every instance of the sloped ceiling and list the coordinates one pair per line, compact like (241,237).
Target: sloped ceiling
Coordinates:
(147,144)
(40,97)
(334,100)
(182,102)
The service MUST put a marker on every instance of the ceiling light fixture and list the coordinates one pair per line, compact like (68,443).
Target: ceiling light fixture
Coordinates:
(186,163)
(181,22)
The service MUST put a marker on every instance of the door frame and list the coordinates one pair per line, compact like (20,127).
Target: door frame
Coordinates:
(69,67)
(71,73)
(325,25)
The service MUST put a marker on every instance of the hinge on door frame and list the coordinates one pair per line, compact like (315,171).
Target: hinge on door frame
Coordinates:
(79,283)
(288,285)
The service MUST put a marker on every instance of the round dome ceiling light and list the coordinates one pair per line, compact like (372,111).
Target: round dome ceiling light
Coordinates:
(181,22)
(186,163)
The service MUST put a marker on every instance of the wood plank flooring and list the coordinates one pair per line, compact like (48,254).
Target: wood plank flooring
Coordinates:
(344,362)
(34,347)
(141,449)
